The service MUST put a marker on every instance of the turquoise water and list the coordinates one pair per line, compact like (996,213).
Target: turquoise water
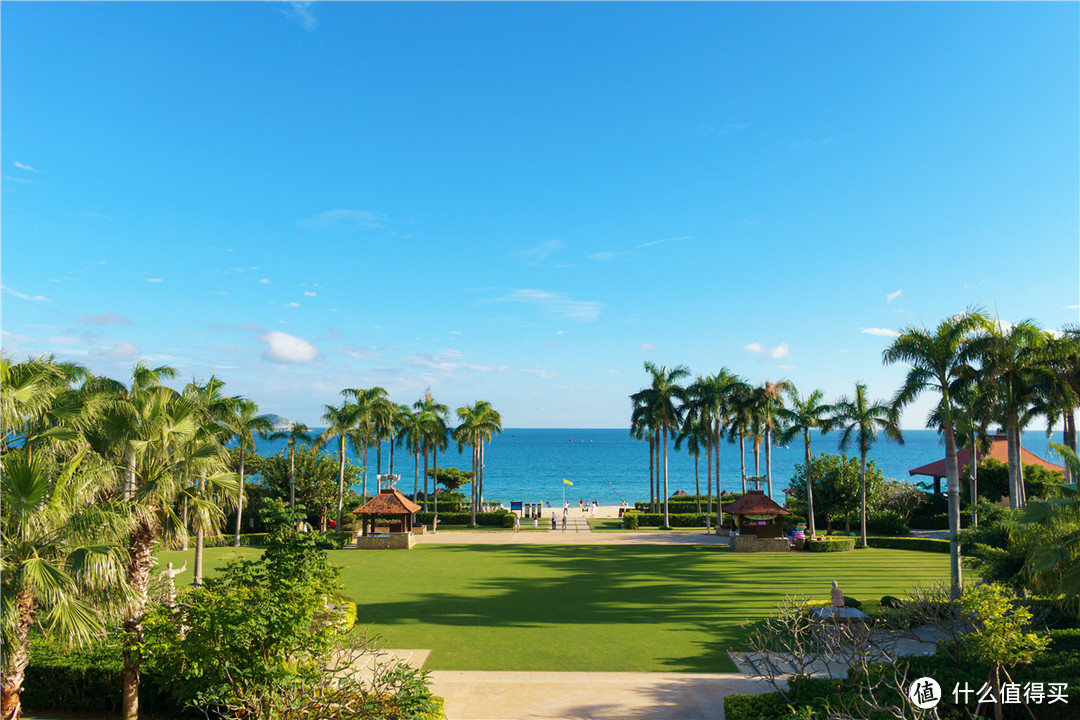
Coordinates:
(609,465)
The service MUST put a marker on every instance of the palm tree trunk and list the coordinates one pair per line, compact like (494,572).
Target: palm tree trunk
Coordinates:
(475,483)
(667,521)
(140,560)
(480,473)
(363,485)
(862,501)
(425,478)
(952,475)
(1021,488)
(129,474)
(184,518)
(708,481)
(810,527)
(716,450)
(416,475)
(378,461)
(742,465)
(292,475)
(768,460)
(391,456)
(197,570)
(697,483)
(974,479)
(1014,473)
(18,657)
(1069,438)
(240,501)
(652,485)
(341,479)
(435,485)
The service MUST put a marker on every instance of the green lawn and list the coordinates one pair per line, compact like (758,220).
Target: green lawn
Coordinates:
(592,607)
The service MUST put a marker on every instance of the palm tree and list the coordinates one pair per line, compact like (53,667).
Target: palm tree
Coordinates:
(411,437)
(364,424)
(382,421)
(715,397)
(742,423)
(243,424)
(768,401)
(340,423)
(805,415)
(1016,375)
(467,433)
(695,432)
(666,392)
(861,420)
(398,418)
(296,432)
(433,429)
(641,428)
(939,363)
(1063,357)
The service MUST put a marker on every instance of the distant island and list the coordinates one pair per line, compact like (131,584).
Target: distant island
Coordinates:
(278,422)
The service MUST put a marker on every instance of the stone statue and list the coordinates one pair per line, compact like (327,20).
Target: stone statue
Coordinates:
(169,574)
(836,597)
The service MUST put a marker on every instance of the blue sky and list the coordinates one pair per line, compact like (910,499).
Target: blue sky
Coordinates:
(524,202)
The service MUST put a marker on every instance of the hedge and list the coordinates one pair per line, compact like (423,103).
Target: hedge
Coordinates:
(482,518)
(903,543)
(939,521)
(675,519)
(831,544)
(887,522)
(227,540)
(769,706)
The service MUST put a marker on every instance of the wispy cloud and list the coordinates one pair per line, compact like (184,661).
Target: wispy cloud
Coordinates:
(309,293)
(360,353)
(602,256)
(884,332)
(344,218)
(154,280)
(23,166)
(265,281)
(23,296)
(21,180)
(106,318)
(723,129)
(780,351)
(287,348)
(540,373)
(293,304)
(557,303)
(646,346)
(301,13)
(892,296)
(665,240)
(1072,307)
(539,253)
(120,350)
(612,254)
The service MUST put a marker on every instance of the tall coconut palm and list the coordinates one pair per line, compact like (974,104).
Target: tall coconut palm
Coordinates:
(742,422)
(1063,394)
(382,420)
(467,433)
(768,402)
(695,431)
(641,428)
(862,420)
(666,401)
(805,415)
(1016,375)
(297,432)
(411,438)
(939,363)
(715,395)
(488,424)
(433,428)
(363,433)
(243,424)
(340,424)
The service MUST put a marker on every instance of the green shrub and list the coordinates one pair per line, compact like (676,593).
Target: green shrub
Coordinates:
(464,518)
(887,522)
(888,601)
(630,520)
(677,519)
(332,540)
(921,544)
(830,544)
(938,521)
(507,520)
(246,539)
(792,521)
(812,692)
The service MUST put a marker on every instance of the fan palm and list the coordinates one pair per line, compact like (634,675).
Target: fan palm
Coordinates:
(862,420)
(938,363)
(297,432)
(805,415)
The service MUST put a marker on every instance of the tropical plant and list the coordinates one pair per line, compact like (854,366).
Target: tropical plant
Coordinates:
(714,397)
(297,432)
(432,427)
(666,401)
(938,362)
(837,483)
(862,420)
(340,424)
(768,401)
(311,475)
(242,424)
(805,415)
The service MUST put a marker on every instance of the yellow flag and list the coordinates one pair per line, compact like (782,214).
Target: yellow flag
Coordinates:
(567,482)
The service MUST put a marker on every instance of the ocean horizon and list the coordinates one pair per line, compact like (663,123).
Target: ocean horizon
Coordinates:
(609,466)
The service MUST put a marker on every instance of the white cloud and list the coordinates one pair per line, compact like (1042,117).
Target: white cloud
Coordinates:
(892,296)
(780,351)
(560,332)
(885,332)
(540,252)
(1072,307)
(845,350)
(293,304)
(120,350)
(23,296)
(455,332)
(611,372)
(287,348)
(265,281)
(335,218)
(657,242)
(21,166)
(301,12)
(754,347)
(646,346)
(552,343)
(154,280)
(545,374)
(309,293)
(25,181)
(602,256)
(106,318)
(557,303)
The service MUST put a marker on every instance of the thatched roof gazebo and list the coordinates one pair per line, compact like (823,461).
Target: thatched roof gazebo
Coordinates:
(398,533)
(752,507)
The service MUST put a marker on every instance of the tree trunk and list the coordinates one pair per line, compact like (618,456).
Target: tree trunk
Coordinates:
(475,483)
(363,485)
(341,479)
(426,493)
(140,560)
(974,479)
(952,475)
(184,516)
(435,484)
(862,489)
(1021,488)
(292,475)
(768,460)
(17,658)
(742,465)
(652,484)
(129,474)
(757,457)
(416,475)
(708,483)
(667,521)
(810,526)
(391,456)
(480,473)
(378,461)
(1013,455)
(697,483)
(240,501)
(197,570)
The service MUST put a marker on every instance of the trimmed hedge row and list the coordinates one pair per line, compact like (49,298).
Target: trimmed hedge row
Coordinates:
(831,544)
(939,521)
(498,518)
(902,543)
(227,540)
(675,519)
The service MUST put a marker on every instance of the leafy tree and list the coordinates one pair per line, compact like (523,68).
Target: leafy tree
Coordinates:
(313,479)
(862,420)
(450,478)
(297,432)
(938,363)
(837,480)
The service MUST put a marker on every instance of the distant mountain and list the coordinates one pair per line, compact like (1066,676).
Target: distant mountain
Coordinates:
(278,422)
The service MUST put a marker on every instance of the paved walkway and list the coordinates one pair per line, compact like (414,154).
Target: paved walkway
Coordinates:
(580,536)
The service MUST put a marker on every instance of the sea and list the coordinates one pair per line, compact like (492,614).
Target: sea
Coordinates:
(609,466)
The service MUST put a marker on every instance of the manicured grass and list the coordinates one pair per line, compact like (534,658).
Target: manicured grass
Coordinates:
(592,607)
